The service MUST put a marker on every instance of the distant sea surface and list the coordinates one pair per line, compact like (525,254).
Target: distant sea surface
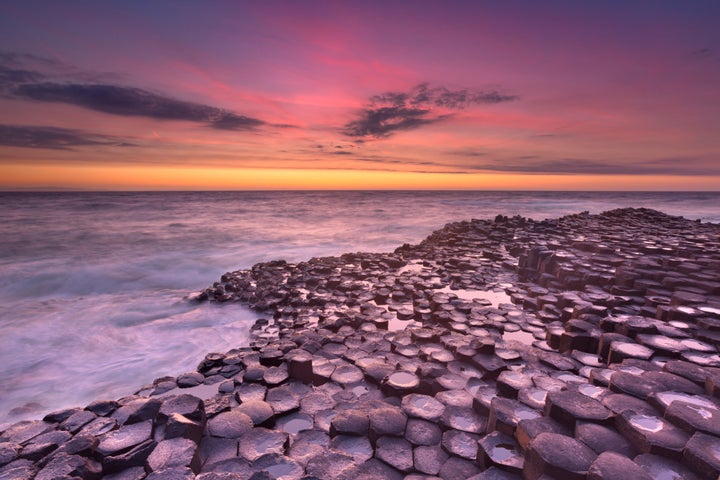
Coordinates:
(94,286)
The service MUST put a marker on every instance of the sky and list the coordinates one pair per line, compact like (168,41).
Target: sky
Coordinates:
(511,95)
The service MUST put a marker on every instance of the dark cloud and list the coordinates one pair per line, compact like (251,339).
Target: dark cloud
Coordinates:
(53,138)
(9,77)
(390,112)
(126,101)
(382,122)
(21,83)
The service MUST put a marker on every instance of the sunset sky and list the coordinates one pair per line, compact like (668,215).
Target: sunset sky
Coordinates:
(556,95)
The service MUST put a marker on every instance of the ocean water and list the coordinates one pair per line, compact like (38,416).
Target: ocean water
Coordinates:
(94,286)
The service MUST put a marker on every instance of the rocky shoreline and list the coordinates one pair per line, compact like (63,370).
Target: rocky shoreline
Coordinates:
(583,347)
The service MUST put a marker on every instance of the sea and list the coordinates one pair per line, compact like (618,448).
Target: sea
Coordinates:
(95,286)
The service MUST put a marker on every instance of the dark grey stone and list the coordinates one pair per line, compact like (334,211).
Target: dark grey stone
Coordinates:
(396,452)
(261,441)
(422,432)
(702,454)
(558,456)
(615,466)
(230,424)
(429,459)
(174,453)
(125,438)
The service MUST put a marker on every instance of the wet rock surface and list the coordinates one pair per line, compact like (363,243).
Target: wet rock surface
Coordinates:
(580,347)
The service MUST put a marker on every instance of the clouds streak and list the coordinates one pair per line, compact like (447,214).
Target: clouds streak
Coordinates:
(391,112)
(53,138)
(20,83)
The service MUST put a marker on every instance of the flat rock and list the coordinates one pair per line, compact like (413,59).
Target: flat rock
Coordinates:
(330,465)
(650,434)
(601,438)
(188,406)
(465,419)
(125,438)
(422,432)
(614,466)
(177,452)
(659,467)
(702,454)
(278,467)
(261,441)
(232,424)
(498,449)
(64,466)
(422,406)
(429,459)
(396,452)
(462,444)
(570,406)
(505,414)
(353,422)
(357,447)
(259,411)
(387,421)
(456,468)
(307,444)
(557,456)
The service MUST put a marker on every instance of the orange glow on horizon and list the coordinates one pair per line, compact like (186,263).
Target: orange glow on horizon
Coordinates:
(146,177)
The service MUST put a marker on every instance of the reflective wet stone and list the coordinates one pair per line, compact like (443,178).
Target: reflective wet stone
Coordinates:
(282,399)
(649,434)
(307,444)
(278,467)
(294,422)
(261,441)
(533,397)
(614,466)
(557,456)
(422,406)
(357,447)
(509,383)
(456,398)
(462,444)
(400,383)
(501,450)
(396,452)
(464,419)
(506,413)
